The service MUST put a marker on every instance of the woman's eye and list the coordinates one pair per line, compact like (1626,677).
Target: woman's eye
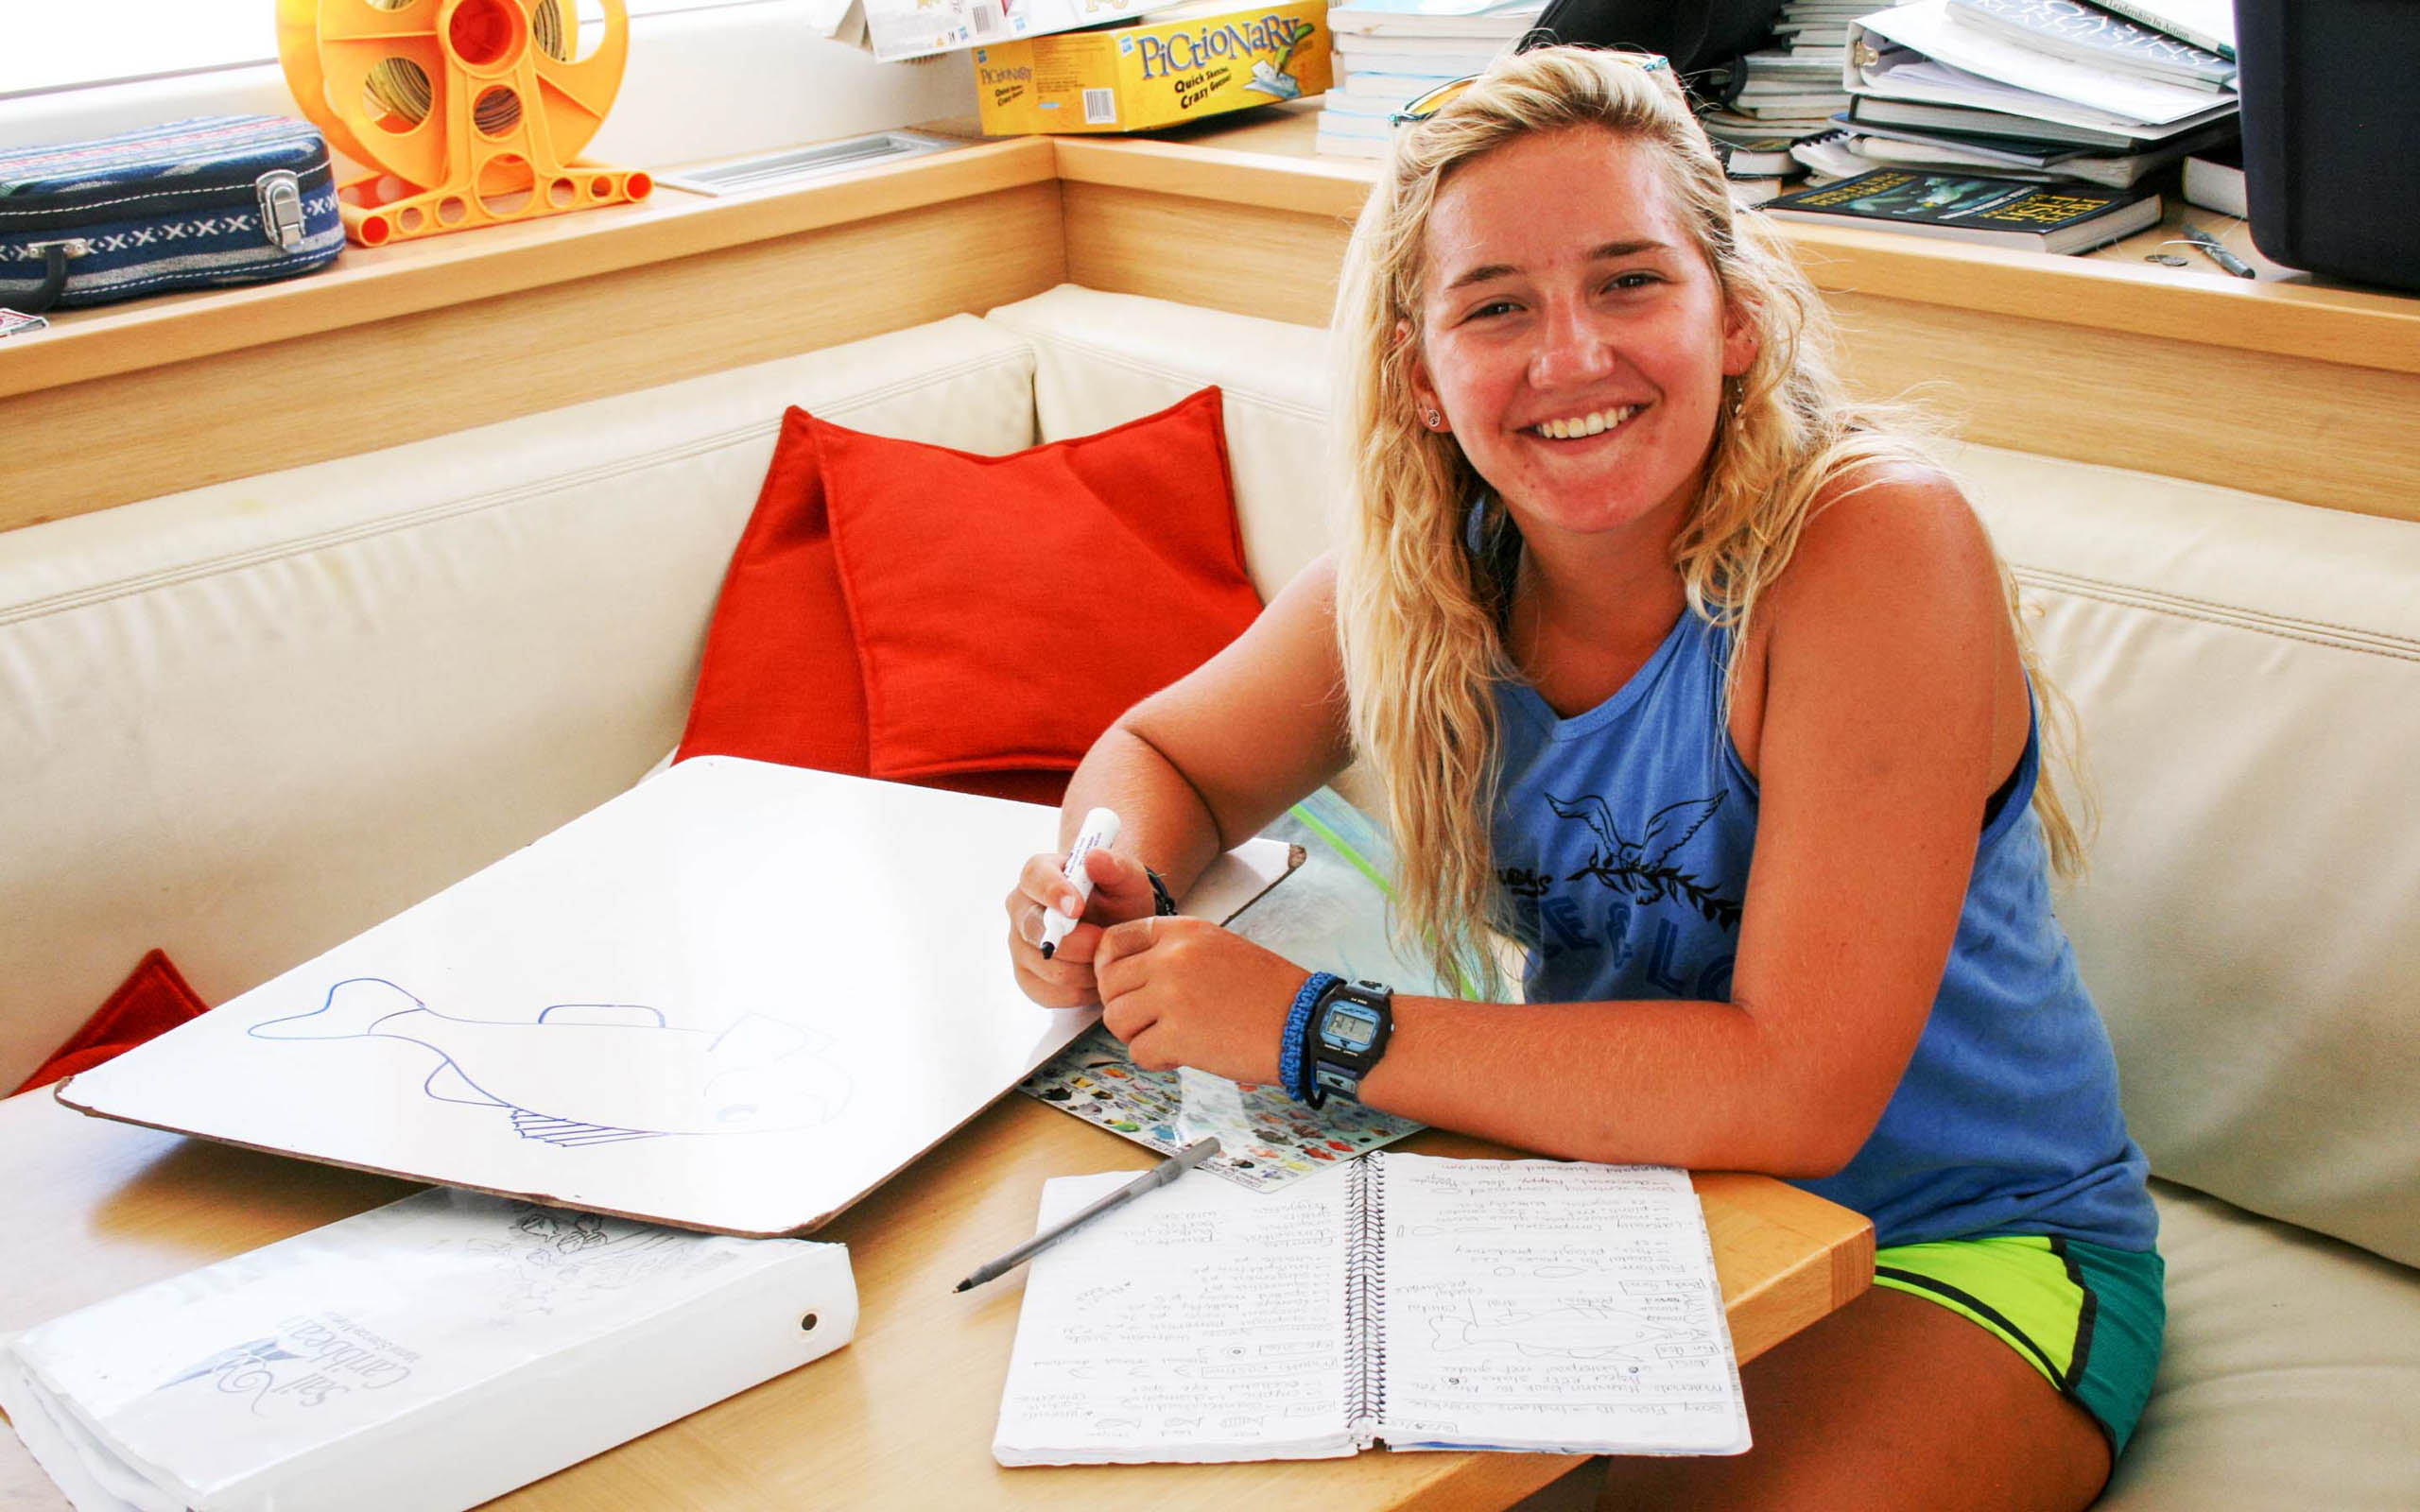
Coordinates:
(1634,280)
(1494,307)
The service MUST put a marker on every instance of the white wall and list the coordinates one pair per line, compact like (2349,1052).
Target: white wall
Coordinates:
(700,84)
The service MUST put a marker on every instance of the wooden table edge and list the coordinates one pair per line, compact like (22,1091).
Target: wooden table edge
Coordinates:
(146,1197)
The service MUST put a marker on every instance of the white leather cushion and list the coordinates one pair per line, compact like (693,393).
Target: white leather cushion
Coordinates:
(1103,359)
(2289,1377)
(247,721)
(2248,675)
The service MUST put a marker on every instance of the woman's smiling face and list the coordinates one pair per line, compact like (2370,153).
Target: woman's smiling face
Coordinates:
(1573,337)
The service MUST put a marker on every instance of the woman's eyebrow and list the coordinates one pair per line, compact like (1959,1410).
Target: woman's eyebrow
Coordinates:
(1610,250)
(1631,249)
(1480,274)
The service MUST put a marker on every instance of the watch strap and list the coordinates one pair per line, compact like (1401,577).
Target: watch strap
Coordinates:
(1163,904)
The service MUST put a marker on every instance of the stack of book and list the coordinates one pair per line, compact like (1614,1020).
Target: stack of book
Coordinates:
(2042,91)
(1390,52)
(1972,207)
(1760,167)
(1781,95)
(1794,87)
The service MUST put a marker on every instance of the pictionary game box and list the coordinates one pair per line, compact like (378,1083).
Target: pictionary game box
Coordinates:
(1154,74)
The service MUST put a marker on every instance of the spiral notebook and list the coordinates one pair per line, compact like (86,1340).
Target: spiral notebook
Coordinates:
(1407,1300)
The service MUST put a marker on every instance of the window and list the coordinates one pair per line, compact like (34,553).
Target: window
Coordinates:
(102,41)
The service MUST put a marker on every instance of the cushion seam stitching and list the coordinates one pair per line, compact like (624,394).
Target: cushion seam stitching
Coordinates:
(2346,637)
(536,489)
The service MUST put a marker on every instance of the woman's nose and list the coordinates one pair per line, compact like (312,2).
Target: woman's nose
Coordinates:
(1571,350)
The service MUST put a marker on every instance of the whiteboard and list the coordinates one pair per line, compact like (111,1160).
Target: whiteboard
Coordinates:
(734,998)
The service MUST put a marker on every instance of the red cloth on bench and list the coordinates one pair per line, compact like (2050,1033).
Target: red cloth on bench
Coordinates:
(150,1001)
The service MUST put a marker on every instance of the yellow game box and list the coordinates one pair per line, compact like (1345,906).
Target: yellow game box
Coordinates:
(1154,74)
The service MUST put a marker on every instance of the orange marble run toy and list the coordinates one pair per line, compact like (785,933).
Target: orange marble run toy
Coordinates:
(464,113)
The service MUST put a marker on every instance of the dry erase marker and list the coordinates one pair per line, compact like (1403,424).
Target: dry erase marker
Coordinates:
(1157,1176)
(1100,828)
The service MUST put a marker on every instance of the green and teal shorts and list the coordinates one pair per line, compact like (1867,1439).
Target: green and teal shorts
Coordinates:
(2087,1317)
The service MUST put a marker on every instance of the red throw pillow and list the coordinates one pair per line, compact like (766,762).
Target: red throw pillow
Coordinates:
(781,681)
(150,1001)
(997,612)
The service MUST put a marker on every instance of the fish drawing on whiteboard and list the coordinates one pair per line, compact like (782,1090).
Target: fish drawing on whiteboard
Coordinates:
(595,1073)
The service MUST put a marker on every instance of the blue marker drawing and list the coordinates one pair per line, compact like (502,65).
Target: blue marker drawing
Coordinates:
(595,1073)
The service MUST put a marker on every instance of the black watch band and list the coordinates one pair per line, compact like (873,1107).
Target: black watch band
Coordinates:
(1348,1033)
(1163,906)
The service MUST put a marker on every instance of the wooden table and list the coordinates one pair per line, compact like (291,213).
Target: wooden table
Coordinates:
(903,1417)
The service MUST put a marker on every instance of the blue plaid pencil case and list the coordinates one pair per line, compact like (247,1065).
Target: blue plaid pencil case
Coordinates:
(218,200)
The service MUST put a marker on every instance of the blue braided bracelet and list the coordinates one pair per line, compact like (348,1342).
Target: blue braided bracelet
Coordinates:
(1293,1069)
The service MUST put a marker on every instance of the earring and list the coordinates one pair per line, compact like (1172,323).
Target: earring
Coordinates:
(1432,418)
(1738,389)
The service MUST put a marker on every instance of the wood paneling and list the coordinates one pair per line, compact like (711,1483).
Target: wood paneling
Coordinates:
(1333,187)
(1251,259)
(377,284)
(901,1419)
(358,388)
(2340,435)
(2325,325)
(2307,393)
(2344,437)
(1266,159)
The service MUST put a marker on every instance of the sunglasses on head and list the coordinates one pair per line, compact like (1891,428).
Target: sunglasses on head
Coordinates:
(1422,107)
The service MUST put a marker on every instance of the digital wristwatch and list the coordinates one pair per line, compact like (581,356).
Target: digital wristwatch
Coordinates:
(1348,1032)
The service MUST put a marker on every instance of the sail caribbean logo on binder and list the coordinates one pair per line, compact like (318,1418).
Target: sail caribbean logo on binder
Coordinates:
(1135,78)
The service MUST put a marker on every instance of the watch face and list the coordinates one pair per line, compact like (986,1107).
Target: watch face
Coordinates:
(1351,1028)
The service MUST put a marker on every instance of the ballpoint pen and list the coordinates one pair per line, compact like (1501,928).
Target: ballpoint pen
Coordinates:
(1158,1176)
(2216,251)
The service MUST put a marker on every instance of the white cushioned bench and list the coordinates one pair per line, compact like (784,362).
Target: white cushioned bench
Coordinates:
(246,722)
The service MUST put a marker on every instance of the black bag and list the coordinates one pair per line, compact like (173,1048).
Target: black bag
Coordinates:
(1701,39)
(2331,135)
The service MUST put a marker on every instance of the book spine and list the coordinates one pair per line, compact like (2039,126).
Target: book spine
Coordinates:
(2150,16)
(1365,1300)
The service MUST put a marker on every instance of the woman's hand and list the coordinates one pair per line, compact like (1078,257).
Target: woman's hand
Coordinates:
(1121,891)
(1185,992)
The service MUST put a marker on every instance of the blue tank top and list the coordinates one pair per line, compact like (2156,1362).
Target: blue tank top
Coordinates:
(1622,839)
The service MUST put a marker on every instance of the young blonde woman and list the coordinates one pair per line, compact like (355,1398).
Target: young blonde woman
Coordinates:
(1688,677)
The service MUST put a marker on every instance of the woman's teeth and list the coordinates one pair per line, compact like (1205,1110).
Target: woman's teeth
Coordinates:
(1595,423)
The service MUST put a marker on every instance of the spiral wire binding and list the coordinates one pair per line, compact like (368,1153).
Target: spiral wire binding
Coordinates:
(1365,1300)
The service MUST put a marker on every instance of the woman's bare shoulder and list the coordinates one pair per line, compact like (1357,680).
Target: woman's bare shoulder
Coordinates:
(1892,521)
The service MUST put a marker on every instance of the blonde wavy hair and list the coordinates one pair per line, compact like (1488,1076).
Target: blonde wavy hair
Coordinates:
(1417,615)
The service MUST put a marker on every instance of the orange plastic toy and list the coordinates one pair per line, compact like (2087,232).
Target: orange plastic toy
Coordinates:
(466,113)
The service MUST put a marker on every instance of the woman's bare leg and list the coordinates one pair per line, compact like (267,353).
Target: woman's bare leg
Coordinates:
(1892,1401)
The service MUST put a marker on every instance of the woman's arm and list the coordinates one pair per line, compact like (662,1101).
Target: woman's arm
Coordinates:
(1891,703)
(1192,771)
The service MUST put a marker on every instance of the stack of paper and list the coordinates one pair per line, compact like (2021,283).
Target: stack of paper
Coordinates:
(433,1353)
(1390,52)
(2046,89)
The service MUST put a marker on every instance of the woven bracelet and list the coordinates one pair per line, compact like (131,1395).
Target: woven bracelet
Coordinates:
(1293,1066)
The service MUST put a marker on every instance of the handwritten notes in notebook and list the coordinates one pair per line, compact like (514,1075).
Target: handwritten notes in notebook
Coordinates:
(1204,1322)
(1539,1305)
(1417,1302)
